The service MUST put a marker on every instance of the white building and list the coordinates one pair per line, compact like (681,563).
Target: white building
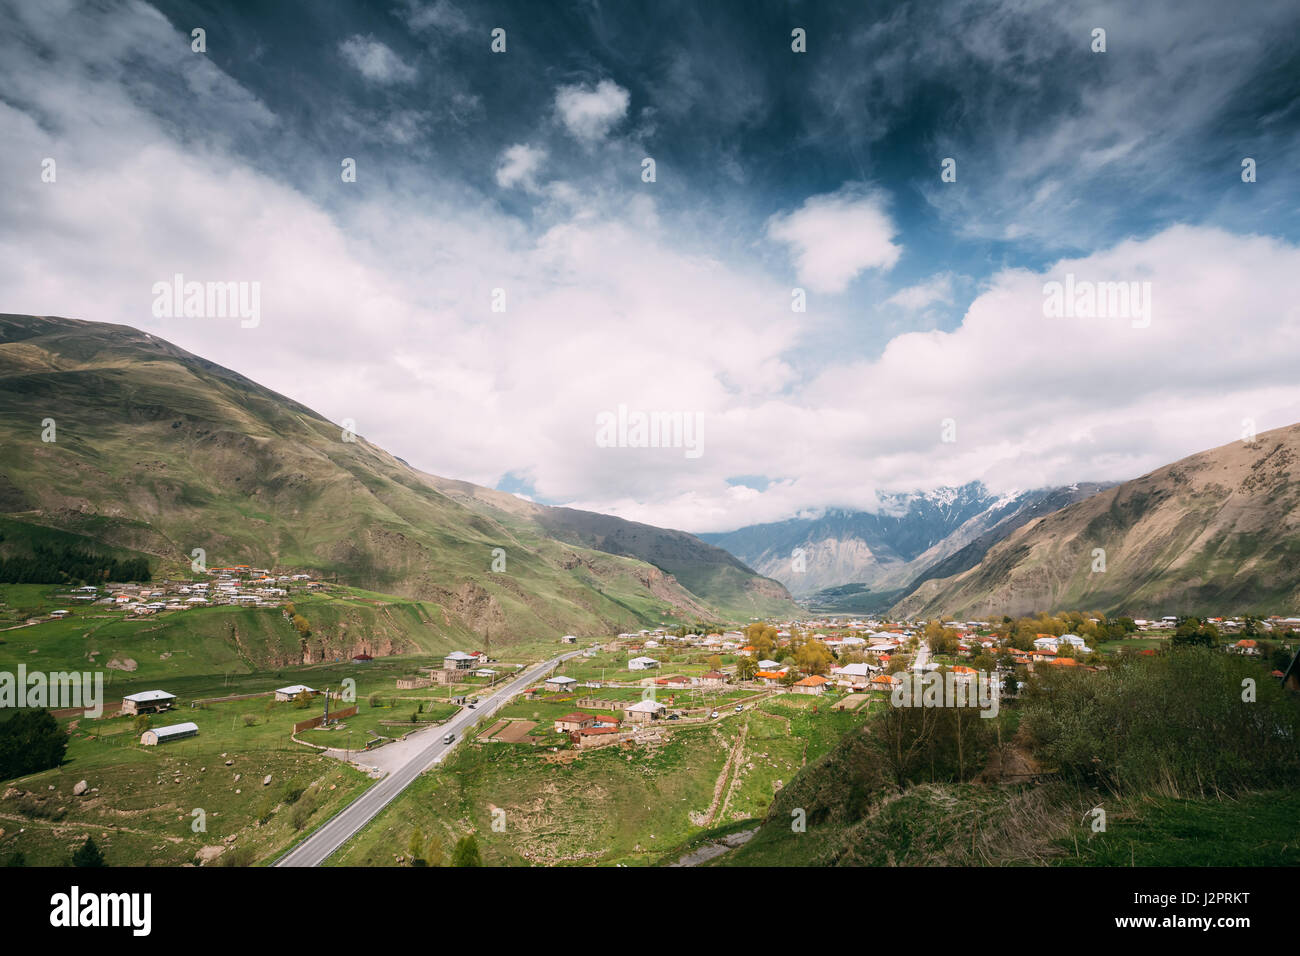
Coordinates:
(293,690)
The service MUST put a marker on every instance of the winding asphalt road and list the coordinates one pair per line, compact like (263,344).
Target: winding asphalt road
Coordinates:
(318,847)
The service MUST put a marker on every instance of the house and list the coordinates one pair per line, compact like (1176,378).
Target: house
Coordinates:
(855,675)
(642,664)
(569,639)
(813,684)
(770,666)
(1247,647)
(884,682)
(148,702)
(162,735)
(595,736)
(769,678)
(571,723)
(560,683)
(293,690)
(712,679)
(645,711)
(458,661)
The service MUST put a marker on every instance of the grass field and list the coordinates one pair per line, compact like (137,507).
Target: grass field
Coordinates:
(141,800)
(614,805)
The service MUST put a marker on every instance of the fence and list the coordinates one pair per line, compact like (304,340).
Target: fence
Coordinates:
(320,719)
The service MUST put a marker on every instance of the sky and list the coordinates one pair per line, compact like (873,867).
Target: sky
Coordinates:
(503,277)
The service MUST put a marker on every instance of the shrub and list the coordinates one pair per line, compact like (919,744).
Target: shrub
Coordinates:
(237,856)
(466,852)
(30,741)
(1178,724)
(88,854)
(302,811)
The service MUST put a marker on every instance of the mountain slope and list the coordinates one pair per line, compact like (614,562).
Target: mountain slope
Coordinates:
(855,556)
(161,452)
(1214,532)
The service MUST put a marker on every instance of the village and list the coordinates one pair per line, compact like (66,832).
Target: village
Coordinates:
(239,585)
(637,685)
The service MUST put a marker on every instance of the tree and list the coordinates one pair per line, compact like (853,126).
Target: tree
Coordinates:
(814,657)
(435,855)
(302,700)
(88,854)
(466,852)
(1192,632)
(30,740)
(715,663)
(415,849)
(746,668)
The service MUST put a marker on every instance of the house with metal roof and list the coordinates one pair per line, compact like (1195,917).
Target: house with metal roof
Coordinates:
(148,702)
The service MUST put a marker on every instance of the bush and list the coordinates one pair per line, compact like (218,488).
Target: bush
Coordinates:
(30,741)
(291,793)
(265,809)
(466,852)
(88,854)
(237,856)
(302,811)
(1176,725)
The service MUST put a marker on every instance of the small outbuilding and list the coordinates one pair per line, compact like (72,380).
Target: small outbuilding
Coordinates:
(293,690)
(162,735)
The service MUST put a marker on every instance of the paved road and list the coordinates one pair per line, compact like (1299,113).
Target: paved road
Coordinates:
(318,847)
(922,656)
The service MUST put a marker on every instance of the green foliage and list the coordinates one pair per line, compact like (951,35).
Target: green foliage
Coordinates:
(466,852)
(1192,632)
(415,848)
(302,811)
(88,854)
(61,564)
(1179,724)
(30,741)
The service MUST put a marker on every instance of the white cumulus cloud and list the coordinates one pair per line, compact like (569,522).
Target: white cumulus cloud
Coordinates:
(589,113)
(836,236)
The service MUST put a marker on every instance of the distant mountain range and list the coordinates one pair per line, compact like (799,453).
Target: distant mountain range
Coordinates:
(858,561)
(1218,531)
(157,452)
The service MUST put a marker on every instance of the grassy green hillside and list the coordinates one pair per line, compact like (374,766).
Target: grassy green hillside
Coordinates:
(158,452)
